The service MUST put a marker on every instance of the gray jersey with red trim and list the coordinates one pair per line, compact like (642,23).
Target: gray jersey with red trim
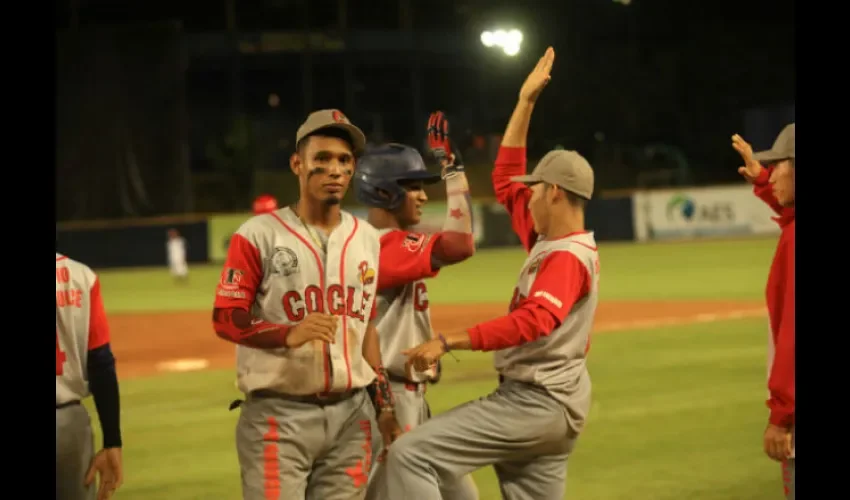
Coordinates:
(74,282)
(404,316)
(557,361)
(298,278)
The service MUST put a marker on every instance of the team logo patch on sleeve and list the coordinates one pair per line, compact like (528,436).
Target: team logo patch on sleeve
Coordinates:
(534,265)
(413,242)
(367,274)
(231,278)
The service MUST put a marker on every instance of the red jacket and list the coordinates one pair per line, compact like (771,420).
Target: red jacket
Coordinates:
(780,307)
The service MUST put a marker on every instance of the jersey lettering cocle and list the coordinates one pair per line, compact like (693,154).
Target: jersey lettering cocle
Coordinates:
(277,271)
(404,317)
(81,326)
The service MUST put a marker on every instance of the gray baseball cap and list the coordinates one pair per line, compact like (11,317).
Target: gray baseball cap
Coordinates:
(331,118)
(565,169)
(783,147)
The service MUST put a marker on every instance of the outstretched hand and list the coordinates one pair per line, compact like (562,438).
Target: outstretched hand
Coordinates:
(538,78)
(752,168)
(424,356)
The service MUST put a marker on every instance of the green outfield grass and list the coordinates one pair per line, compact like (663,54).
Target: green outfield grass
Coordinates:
(726,270)
(677,414)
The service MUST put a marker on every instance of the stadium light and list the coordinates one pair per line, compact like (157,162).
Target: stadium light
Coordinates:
(509,41)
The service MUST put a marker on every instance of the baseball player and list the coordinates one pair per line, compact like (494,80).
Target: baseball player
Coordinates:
(297,295)
(84,365)
(390,180)
(529,425)
(775,185)
(265,203)
(177,256)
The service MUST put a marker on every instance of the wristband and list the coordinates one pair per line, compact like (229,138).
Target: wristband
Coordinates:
(446,346)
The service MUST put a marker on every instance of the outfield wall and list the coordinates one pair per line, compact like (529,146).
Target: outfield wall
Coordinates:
(687,213)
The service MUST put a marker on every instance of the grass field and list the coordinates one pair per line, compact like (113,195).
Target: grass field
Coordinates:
(678,368)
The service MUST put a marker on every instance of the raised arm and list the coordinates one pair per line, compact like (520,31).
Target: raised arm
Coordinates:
(511,160)
(455,243)
(755,174)
(408,256)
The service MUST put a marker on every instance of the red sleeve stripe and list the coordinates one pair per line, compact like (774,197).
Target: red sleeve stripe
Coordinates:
(98,324)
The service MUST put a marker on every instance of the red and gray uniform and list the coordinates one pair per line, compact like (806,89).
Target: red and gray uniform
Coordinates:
(404,314)
(84,366)
(529,425)
(305,427)
(404,321)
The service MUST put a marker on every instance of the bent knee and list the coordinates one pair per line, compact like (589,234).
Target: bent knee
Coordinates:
(405,451)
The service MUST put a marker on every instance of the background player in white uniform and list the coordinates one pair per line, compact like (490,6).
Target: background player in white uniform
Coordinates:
(390,180)
(84,365)
(297,295)
(529,425)
(177,256)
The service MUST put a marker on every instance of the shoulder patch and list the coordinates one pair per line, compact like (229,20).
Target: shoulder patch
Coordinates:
(413,242)
(231,278)
(534,265)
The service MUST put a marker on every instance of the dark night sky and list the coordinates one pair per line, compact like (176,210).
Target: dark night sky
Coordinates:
(677,71)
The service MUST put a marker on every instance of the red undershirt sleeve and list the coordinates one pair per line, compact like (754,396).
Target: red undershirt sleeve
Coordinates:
(514,196)
(405,258)
(235,292)
(561,281)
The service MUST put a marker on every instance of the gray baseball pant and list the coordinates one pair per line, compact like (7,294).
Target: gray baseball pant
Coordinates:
(411,410)
(519,429)
(789,472)
(290,450)
(74,453)
(788,478)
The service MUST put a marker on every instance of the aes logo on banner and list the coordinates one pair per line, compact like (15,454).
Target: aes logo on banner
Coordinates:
(685,208)
(700,212)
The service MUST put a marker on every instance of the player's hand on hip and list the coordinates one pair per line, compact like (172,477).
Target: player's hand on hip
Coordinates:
(752,168)
(316,326)
(777,442)
(390,431)
(424,356)
(108,465)
(538,78)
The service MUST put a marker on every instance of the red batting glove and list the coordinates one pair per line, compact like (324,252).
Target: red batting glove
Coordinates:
(440,144)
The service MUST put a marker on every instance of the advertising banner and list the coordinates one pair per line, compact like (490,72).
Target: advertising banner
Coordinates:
(221,228)
(701,212)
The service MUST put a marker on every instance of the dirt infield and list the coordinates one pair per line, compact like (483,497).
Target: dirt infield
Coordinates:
(148,343)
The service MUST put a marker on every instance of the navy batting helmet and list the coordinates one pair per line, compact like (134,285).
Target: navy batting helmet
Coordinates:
(384,168)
